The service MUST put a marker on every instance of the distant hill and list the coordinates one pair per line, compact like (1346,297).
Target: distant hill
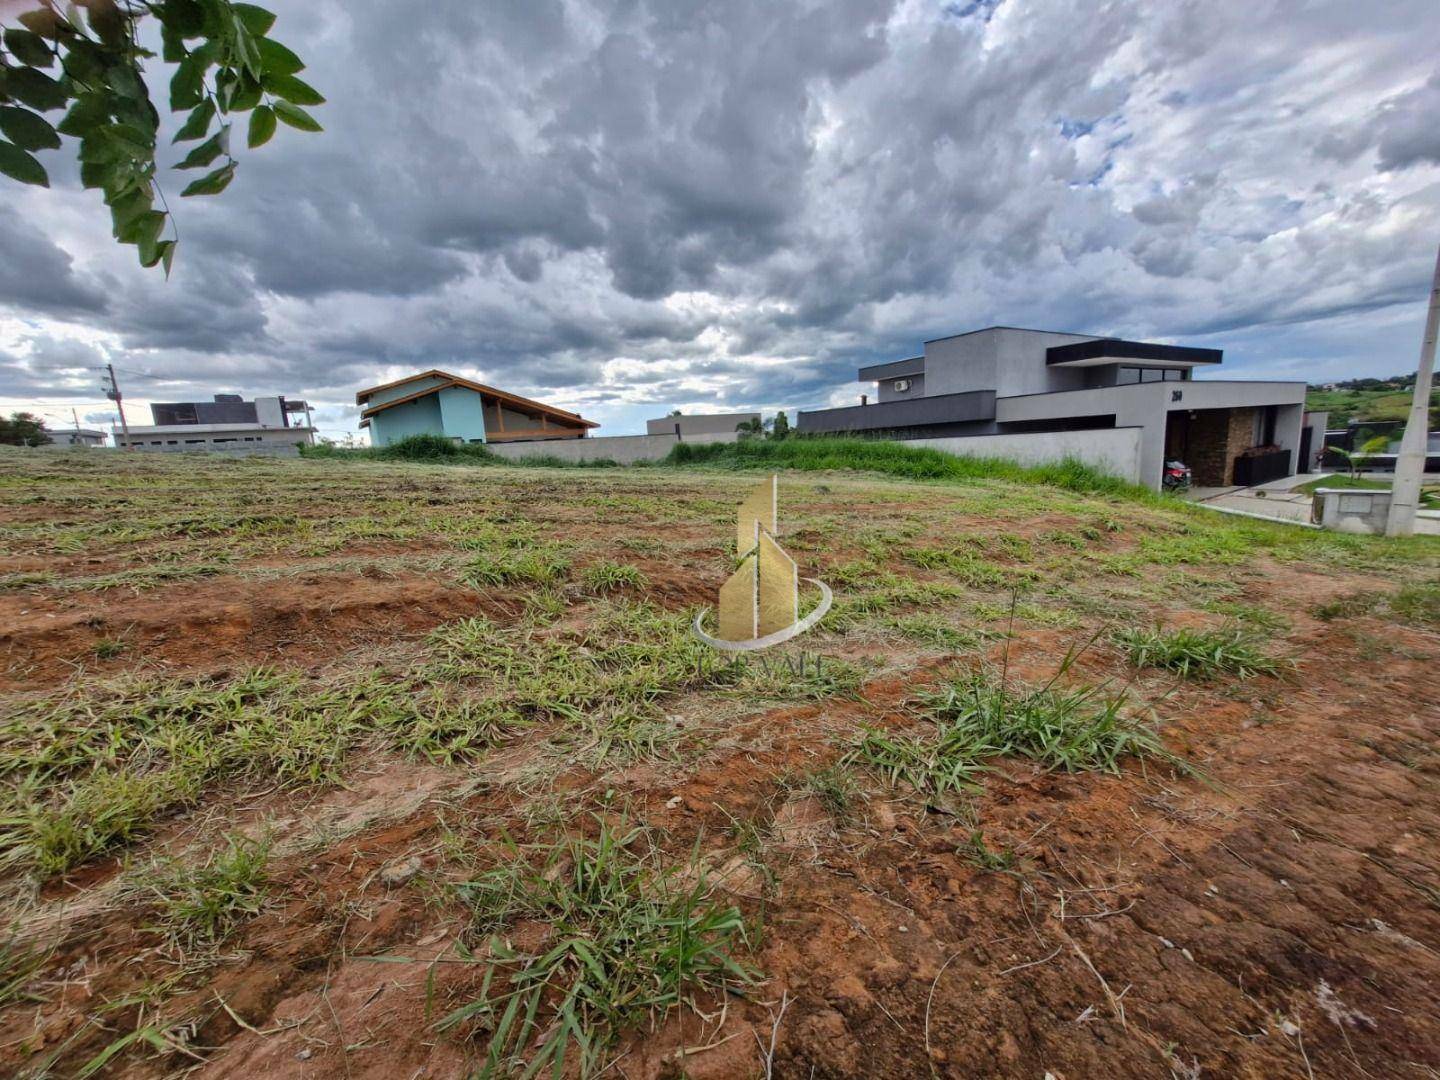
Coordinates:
(1368,399)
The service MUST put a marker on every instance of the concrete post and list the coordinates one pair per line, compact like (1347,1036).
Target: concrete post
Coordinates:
(1410,462)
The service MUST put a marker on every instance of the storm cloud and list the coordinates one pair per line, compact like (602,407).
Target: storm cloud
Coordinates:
(633,206)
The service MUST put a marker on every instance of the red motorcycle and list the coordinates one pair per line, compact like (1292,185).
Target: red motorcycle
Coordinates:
(1176,477)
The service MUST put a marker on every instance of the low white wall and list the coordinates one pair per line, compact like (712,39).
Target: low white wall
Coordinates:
(1111,450)
(621,449)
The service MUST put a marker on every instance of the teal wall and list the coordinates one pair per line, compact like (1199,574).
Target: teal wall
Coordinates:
(454,412)
(462,411)
(418,417)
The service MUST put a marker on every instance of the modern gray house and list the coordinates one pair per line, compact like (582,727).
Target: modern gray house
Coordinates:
(227,423)
(1005,380)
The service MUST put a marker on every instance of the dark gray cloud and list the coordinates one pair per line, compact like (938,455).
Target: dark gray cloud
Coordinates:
(622,204)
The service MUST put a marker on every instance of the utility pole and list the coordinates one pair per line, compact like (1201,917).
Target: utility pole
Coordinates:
(112,391)
(1410,462)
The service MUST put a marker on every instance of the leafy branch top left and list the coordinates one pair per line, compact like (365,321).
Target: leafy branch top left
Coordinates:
(88,61)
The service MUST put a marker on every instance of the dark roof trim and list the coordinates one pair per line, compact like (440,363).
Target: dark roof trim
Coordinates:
(1131,350)
(1023,329)
(893,369)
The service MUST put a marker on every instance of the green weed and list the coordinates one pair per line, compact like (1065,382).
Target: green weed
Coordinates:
(607,577)
(199,906)
(628,942)
(1199,654)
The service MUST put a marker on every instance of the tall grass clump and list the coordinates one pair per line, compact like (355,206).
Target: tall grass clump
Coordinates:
(978,717)
(429,448)
(1073,729)
(1199,654)
(628,941)
(896,459)
(201,905)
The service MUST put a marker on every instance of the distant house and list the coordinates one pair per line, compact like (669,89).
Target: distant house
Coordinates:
(79,436)
(229,422)
(438,403)
(699,424)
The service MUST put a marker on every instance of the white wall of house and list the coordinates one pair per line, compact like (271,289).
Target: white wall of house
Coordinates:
(1115,451)
(231,437)
(1147,405)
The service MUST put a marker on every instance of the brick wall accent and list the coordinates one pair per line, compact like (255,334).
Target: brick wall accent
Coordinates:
(1216,436)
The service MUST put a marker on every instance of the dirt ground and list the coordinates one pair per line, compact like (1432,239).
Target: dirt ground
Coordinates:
(1273,912)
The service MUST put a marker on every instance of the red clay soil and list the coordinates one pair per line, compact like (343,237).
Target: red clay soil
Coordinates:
(1276,916)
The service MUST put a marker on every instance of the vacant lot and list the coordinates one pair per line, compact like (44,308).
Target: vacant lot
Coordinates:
(355,769)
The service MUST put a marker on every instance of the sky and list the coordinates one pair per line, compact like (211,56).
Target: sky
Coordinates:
(631,207)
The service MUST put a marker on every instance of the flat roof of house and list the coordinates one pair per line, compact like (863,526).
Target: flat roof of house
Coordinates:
(1026,329)
(202,429)
(1108,350)
(449,380)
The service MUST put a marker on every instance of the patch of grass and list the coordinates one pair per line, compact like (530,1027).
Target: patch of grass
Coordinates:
(1074,729)
(1199,654)
(607,577)
(835,787)
(628,942)
(897,459)
(927,628)
(979,855)
(1261,619)
(541,565)
(19,963)
(199,906)
(1418,603)
(798,675)
(937,764)
(435,449)
(108,648)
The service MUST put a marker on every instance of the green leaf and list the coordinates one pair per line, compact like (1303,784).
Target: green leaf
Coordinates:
(276,59)
(45,22)
(124,78)
(198,125)
(212,183)
(172,44)
(85,62)
(207,151)
(248,50)
(246,95)
(143,228)
(292,90)
(34,88)
(27,130)
(128,207)
(88,113)
(296,117)
(255,18)
(18,165)
(262,126)
(95,174)
(185,17)
(28,48)
(187,85)
(116,143)
(167,255)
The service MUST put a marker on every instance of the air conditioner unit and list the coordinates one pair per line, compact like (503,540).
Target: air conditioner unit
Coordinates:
(901,385)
